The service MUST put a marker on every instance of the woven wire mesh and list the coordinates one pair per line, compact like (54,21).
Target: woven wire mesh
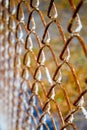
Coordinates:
(31,74)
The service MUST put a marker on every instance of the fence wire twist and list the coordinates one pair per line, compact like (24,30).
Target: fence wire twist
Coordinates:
(21,68)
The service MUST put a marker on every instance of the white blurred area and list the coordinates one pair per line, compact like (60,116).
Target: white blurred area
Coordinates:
(3,120)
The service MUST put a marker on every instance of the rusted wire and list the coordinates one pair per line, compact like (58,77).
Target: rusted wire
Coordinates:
(22,81)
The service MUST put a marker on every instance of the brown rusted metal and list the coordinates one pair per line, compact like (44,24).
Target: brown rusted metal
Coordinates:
(21,68)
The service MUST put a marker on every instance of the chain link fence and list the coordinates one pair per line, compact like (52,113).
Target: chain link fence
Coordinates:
(31,76)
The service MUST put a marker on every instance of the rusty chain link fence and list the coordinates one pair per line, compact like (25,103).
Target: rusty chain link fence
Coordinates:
(31,76)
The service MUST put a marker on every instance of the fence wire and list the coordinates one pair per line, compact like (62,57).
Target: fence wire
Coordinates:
(28,88)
